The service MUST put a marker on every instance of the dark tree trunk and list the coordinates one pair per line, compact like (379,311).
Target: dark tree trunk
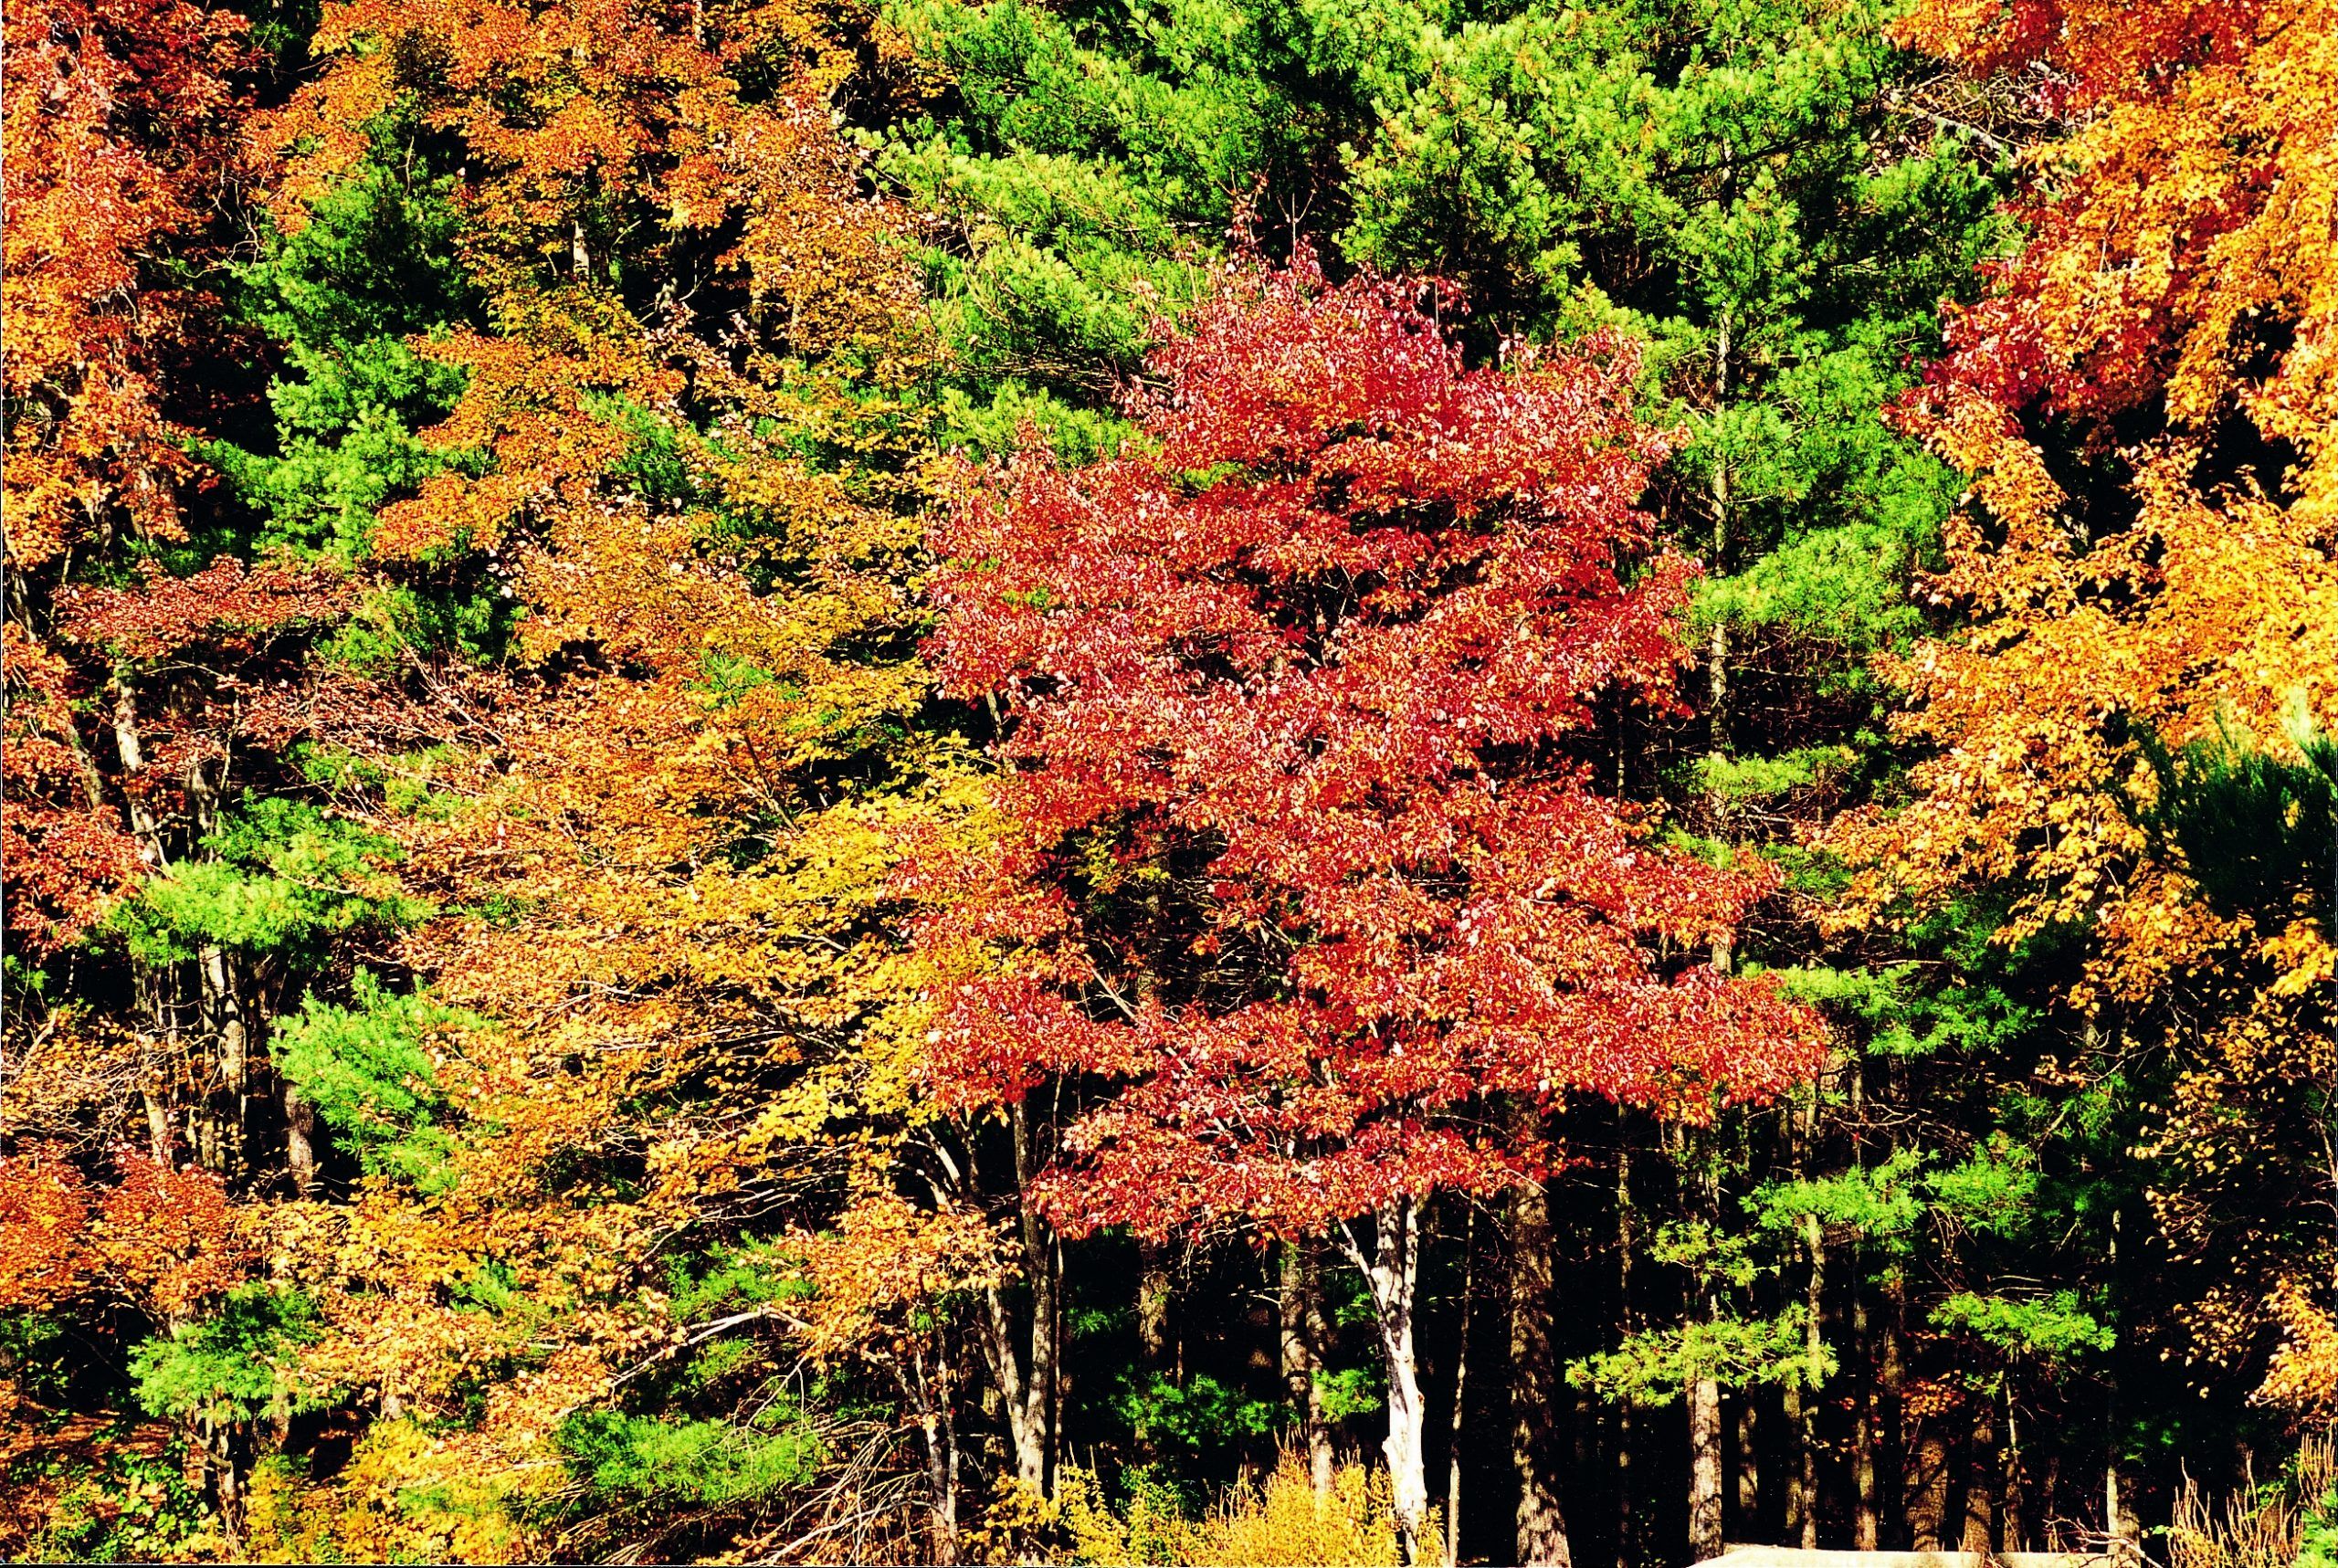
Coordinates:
(1534,1386)
(1868,1521)
(1814,1238)
(1460,1392)
(1152,1305)
(1302,1357)
(1890,1376)
(1626,1325)
(1749,1468)
(1981,1480)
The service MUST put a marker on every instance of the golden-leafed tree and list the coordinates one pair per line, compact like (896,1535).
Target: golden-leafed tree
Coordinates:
(672,1041)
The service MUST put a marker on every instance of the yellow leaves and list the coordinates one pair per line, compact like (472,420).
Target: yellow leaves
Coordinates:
(884,1260)
(405,1496)
(2235,621)
(2303,1378)
(2302,958)
(676,850)
(2008,476)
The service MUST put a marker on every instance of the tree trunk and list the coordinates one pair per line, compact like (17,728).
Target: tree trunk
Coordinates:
(300,1142)
(1890,1376)
(1927,1492)
(1152,1321)
(1814,1239)
(1302,1357)
(1704,1469)
(1981,1480)
(1152,1305)
(143,825)
(1625,1325)
(1027,1381)
(223,1019)
(1867,1522)
(156,985)
(1037,1465)
(2121,1525)
(930,1391)
(1749,1468)
(151,1094)
(1534,1386)
(1016,1388)
(1700,1161)
(1391,1271)
(1791,1400)
(2012,1520)
(1717,651)
(1460,1393)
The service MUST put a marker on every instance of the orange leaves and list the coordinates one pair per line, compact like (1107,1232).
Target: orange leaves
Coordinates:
(2149,412)
(164,1239)
(45,1252)
(168,1236)
(2182,254)
(2183,250)
(604,143)
(525,409)
(884,1261)
(120,127)
(588,122)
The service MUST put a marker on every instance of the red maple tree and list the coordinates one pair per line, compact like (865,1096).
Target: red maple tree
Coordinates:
(1306,869)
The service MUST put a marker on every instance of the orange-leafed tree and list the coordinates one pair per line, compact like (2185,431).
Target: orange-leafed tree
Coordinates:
(2130,738)
(122,124)
(123,121)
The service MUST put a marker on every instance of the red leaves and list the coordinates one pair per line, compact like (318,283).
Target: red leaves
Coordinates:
(65,868)
(2174,228)
(166,1236)
(1308,863)
(65,854)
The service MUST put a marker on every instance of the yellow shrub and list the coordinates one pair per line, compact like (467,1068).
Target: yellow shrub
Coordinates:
(1280,1524)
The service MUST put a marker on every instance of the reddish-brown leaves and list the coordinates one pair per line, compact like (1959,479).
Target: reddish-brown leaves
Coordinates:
(224,604)
(121,126)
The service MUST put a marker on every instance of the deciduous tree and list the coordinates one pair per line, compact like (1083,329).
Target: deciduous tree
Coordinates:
(1303,874)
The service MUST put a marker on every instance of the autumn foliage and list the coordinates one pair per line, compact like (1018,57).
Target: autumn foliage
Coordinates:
(1305,854)
(955,781)
(122,124)
(2146,408)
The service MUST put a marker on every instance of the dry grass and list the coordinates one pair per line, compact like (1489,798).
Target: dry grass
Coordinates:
(2260,1526)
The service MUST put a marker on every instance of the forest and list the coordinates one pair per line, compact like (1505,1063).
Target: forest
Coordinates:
(1383,782)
